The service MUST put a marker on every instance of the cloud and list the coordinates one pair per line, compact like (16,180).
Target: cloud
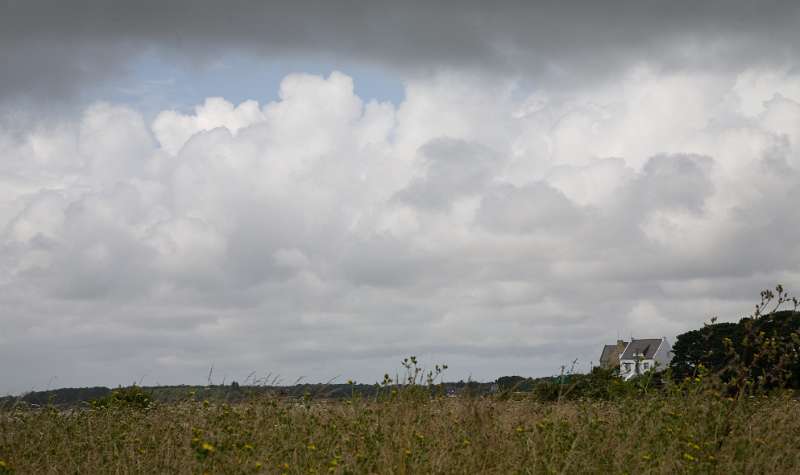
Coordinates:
(51,50)
(173,129)
(675,181)
(537,207)
(452,169)
(319,234)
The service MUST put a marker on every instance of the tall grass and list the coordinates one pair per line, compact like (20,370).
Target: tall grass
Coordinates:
(411,432)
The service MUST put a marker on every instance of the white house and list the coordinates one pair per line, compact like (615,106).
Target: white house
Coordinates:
(640,356)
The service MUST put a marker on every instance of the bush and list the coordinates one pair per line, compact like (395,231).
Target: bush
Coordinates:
(132,397)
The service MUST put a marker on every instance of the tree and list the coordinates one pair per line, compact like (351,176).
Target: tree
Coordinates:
(704,347)
(759,353)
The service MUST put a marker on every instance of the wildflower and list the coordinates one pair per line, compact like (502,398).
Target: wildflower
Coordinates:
(259,465)
(311,447)
(466,442)
(689,457)
(407,452)
(519,429)
(646,457)
(248,447)
(207,447)
(693,445)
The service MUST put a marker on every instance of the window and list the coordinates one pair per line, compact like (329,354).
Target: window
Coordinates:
(646,366)
(627,366)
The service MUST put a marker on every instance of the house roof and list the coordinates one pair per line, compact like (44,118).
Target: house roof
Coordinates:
(646,347)
(611,352)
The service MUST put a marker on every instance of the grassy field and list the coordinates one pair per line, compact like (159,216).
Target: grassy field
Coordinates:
(410,433)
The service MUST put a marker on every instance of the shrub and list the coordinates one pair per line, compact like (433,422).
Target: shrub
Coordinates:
(132,397)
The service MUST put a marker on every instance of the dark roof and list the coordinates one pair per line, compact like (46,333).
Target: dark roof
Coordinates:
(611,352)
(646,347)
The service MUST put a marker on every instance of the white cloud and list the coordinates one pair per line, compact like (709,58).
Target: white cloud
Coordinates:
(173,129)
(501,229)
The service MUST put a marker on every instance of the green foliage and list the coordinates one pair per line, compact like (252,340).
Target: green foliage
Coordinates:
(131,397)
(705,347)
(760,353)
(514,383)
(600,384)
(64,396)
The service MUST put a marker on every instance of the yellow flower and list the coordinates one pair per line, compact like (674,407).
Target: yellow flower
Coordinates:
(312,447)
(207,447)
(248,447)
(259,465)
(689,457)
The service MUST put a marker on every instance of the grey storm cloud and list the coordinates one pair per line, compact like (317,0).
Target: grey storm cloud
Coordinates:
(52,49)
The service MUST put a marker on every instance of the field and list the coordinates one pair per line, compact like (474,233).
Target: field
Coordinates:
(410,432)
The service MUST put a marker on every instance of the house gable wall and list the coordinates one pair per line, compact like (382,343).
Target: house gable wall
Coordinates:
(664,354)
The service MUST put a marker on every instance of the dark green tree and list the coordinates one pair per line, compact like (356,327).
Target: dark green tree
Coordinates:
(705,347)
(759,353)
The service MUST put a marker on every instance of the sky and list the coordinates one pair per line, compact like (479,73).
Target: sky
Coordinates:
(311,190)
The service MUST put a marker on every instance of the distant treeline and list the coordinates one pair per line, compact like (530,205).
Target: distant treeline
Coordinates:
(234,392)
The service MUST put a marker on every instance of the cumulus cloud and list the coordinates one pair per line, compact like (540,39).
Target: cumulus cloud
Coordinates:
(537,207)
(452,169)
(319,234)
(173,129)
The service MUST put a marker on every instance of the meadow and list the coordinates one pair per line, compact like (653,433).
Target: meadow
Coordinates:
(409,430)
